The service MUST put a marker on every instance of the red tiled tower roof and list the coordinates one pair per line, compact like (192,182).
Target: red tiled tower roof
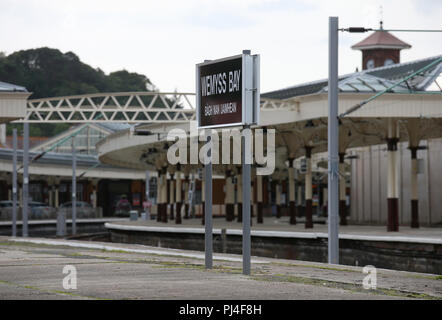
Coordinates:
(381,40)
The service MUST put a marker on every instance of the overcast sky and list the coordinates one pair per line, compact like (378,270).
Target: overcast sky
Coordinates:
(164,39)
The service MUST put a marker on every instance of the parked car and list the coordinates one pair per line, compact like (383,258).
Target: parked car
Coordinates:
(40,210)
(5,209)
(79,204)
(84,209)
(6,204)
(37,210)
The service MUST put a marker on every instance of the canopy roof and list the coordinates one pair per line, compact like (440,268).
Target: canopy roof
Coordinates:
(367,83)
(52,158)
(387,74)
(8,87)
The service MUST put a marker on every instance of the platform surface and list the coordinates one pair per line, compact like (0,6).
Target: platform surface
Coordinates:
(32,268)
(68,221)
(281,228)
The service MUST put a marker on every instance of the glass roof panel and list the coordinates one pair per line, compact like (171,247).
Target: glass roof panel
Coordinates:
(368,83)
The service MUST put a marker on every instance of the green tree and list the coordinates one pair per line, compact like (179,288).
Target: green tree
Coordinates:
(48,72)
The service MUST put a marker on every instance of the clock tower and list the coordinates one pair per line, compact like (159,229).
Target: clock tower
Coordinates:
(380,49)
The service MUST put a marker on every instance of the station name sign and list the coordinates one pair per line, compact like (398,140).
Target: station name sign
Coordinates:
(227,90)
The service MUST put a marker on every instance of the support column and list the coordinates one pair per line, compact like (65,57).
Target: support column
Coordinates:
(9,191)
(172,196)
(203,201)
(56,191)
(57,195)
(186,196)
(94,193)
(51,195)
(414,189)
(342,196)
(20,190)
(325,202)
(178,198)
(20,194)
(146,195)
(392,186)
(239,196)
(299,198)
(159,198)
(260,218)
(269,193)
(292,204)
(308,189)
(164,217)
(278,198)
(229,199)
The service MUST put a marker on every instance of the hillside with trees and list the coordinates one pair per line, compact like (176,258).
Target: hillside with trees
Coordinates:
(48,72)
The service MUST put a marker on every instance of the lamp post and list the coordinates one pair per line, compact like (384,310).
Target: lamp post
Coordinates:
(333,144)
(74,189)
(25,208)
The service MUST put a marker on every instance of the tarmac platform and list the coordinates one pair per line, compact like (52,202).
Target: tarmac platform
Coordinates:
(32,268)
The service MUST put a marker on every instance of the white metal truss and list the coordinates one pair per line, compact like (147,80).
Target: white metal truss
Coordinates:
(124,107)
(277,104)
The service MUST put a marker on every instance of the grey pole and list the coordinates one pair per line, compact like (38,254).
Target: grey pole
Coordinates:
(14,183)
(25,179)
(147,195)
(333,144)
(192,193)
(246,171)
(74,189)
(208,203)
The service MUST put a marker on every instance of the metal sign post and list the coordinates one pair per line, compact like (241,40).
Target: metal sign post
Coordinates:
(147,209)
(74,189)
(25,179)
(333,144)
(14,183)
(208,203)
(246,194)
(227,94)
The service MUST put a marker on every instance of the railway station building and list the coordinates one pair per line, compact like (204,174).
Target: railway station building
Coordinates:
(390,151)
